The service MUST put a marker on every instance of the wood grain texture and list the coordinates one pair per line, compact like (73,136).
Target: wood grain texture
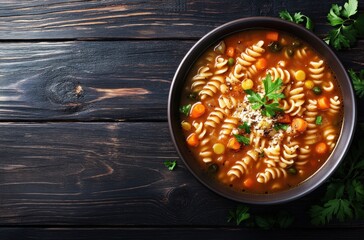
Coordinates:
(87,80)
(177,233)
(54,19)
(101,80)
(108,174)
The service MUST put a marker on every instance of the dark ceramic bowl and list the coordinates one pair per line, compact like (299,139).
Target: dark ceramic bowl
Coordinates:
(211,39)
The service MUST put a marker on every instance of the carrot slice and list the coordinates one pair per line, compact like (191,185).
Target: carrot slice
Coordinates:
(233,144)
(323,103)
(230,52)
(197,110)
(285,119)
(248,182)
(273,36)
(321,148)
(299,124)
(261,63)
(193,140)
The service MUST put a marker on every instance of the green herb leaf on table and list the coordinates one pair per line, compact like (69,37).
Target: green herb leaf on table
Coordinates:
(358,82)
(242,139)
(348,26)
(297,18)
(185,109)
(269,102)
(170,165)
(239,215)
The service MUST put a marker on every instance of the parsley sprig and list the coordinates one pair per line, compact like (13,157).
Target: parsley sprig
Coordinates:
(242,139)
(358,82)
(347,25)
(240,214)
(297,17)
(344,197)
(170,165)
(280,219)
(269,102)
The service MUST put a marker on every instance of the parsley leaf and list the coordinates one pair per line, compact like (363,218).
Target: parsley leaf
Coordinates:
(282,219)
(282,126)
(358,82)
(350,8)
(245,126)
(297,18)
(185,109)
(242,139)
(241,214)
(170,165)
(347,27)
(269,102)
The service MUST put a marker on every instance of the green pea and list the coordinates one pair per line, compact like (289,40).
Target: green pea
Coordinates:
(231,61)
(213,168)
(317,90)
(292,171)
(290,52)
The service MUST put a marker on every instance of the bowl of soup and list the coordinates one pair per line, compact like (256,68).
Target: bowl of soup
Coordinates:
(261,110)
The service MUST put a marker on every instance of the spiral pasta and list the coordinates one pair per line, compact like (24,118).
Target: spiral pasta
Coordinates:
(271,173)
(317,71)
(250,55)
(240,168)
(228,102)
(229,124)
(278,72)
(335,105)
(215,118)
(200,79)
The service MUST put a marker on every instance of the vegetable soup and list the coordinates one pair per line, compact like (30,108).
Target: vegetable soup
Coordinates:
(261,111)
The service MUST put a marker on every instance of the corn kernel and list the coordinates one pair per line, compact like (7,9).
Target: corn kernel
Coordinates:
(218,148)
(247,84)
(300,75)
(186,125)
(309,84)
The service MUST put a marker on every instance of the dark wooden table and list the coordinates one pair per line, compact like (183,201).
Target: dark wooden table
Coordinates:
(84,132)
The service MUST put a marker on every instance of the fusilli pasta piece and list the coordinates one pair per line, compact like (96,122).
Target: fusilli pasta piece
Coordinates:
(212,86)
(250,55)
(227,102)
(335,105)
(215,118)
(271,173)
(205,152)
(200,79)
(280,73)
(317,71)
(229,124)
(240,168)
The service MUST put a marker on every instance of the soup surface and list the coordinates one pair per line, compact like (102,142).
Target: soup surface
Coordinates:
(261,110)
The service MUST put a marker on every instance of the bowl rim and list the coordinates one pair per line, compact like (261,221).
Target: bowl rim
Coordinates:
(349,118)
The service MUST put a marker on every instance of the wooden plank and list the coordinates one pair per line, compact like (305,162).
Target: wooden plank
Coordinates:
(91,81)
(108,174)
(87,80)
(61,19)
(178,233)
